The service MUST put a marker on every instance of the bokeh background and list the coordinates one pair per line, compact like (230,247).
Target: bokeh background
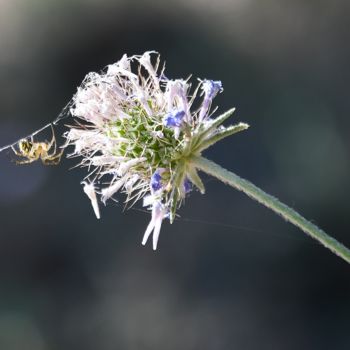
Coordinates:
(229,274)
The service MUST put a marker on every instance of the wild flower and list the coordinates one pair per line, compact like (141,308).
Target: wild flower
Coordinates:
(137,132)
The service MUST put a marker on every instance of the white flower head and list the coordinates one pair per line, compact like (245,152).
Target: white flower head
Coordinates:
(136,132)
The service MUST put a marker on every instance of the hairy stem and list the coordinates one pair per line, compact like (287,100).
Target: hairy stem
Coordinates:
(273,203)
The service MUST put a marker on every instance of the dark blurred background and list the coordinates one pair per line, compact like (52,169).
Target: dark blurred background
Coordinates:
(229,274)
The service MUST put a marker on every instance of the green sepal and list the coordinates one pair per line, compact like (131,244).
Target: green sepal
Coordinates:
(193,176)
(218,120)
(175,197)
(173,205)
(233,129)
(210,127)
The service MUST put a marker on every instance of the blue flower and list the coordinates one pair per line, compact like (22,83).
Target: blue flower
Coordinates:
(174,119)
(156,181)
(210,88)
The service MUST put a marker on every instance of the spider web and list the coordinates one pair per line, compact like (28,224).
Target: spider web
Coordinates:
(63,115)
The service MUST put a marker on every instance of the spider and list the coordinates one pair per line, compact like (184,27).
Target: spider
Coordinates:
(32,151)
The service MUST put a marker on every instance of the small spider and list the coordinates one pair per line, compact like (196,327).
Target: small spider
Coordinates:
(33,151)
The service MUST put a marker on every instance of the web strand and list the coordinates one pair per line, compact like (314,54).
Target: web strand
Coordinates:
(234,227)
(63,115)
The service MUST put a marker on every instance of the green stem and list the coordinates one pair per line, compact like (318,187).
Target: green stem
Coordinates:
(273,203)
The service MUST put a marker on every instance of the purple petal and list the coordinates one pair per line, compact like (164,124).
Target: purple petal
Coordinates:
(156,181)
(175,119)
(211,88)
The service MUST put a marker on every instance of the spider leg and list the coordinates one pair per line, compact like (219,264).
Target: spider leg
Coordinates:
(53,155)
(52,160)
(52,142)
(27,161)
(17,153)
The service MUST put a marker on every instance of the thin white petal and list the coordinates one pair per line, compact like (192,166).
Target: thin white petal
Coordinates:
(145,60)
(108,192)
(104,160)
(124,167)
(131,182)
(96,208)
(89,189)
(148,200)
(156,231)
(148,232)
